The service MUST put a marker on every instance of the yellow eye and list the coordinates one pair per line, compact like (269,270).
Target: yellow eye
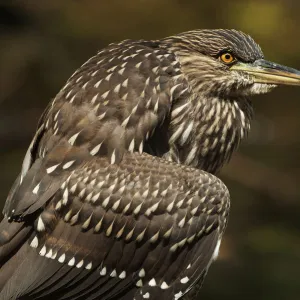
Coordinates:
(227,58)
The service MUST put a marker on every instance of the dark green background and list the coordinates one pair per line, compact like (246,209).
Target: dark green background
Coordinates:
(43,42)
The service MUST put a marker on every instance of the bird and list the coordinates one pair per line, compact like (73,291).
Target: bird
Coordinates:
(118,195)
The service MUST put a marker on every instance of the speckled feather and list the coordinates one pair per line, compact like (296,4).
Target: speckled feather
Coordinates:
(110,200)
(117,99)
(143,210)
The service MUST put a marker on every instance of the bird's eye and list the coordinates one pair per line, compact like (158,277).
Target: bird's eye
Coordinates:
(227,58)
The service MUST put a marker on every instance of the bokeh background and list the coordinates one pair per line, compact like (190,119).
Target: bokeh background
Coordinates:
(43,42)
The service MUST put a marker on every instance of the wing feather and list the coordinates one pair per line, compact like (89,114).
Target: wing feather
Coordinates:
(148,241)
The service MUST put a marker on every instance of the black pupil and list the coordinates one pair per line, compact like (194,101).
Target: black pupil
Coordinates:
(228,56)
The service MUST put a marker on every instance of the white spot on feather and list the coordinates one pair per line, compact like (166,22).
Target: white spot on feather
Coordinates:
(94,99)
(156,106)
(95,197)
(62,258)
(125,83)
(94,73)
(73,138)
(103,271)
(117,88)
(73,188)
(105,201)
(216,251)
(35,242)
(98,83)
(73,98)
(43,251)
(164,286)
(65,196)
(56,115)
(68,95)
(68,164)
(138,65)
(87,222)
(181,223)
(96,149)
(154,70)
(154,238)
(107,78)
(52,169)
(80,264)
(40,224)
(141,147)
(125,96)
(116,205)
(54,255)
(137,209)
(36,189)
(89,266)
(121,71)
(131,146)
(139,283)
(142,273)
(178,295)
(104,95)
(113,273)
(125,122)
(184,280)
(71,262)
(113,157)
(58,205)
(152,282)
(49,254)
(168,233)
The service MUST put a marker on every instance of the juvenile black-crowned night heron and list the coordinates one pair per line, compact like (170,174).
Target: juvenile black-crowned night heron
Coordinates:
(116,197)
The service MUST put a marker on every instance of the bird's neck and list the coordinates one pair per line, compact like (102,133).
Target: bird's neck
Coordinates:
(207,126)
(208,130)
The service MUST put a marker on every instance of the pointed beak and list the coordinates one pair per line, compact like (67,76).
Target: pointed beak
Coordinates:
(263,71)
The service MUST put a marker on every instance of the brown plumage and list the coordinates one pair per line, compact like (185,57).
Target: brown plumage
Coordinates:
(113,200)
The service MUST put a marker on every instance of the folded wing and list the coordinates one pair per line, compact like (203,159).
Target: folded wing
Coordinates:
(143,229)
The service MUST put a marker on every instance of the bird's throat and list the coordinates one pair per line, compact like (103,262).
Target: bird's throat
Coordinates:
(211,132)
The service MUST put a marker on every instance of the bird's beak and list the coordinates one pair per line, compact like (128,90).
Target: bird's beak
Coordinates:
(264,71)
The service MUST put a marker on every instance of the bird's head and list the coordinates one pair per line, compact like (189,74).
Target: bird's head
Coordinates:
(230,63)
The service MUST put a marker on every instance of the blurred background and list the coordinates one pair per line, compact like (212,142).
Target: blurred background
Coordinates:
(43,42)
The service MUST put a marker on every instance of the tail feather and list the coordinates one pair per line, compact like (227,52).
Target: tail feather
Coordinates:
(13,236)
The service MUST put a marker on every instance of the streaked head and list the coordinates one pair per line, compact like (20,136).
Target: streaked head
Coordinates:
(228,62)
